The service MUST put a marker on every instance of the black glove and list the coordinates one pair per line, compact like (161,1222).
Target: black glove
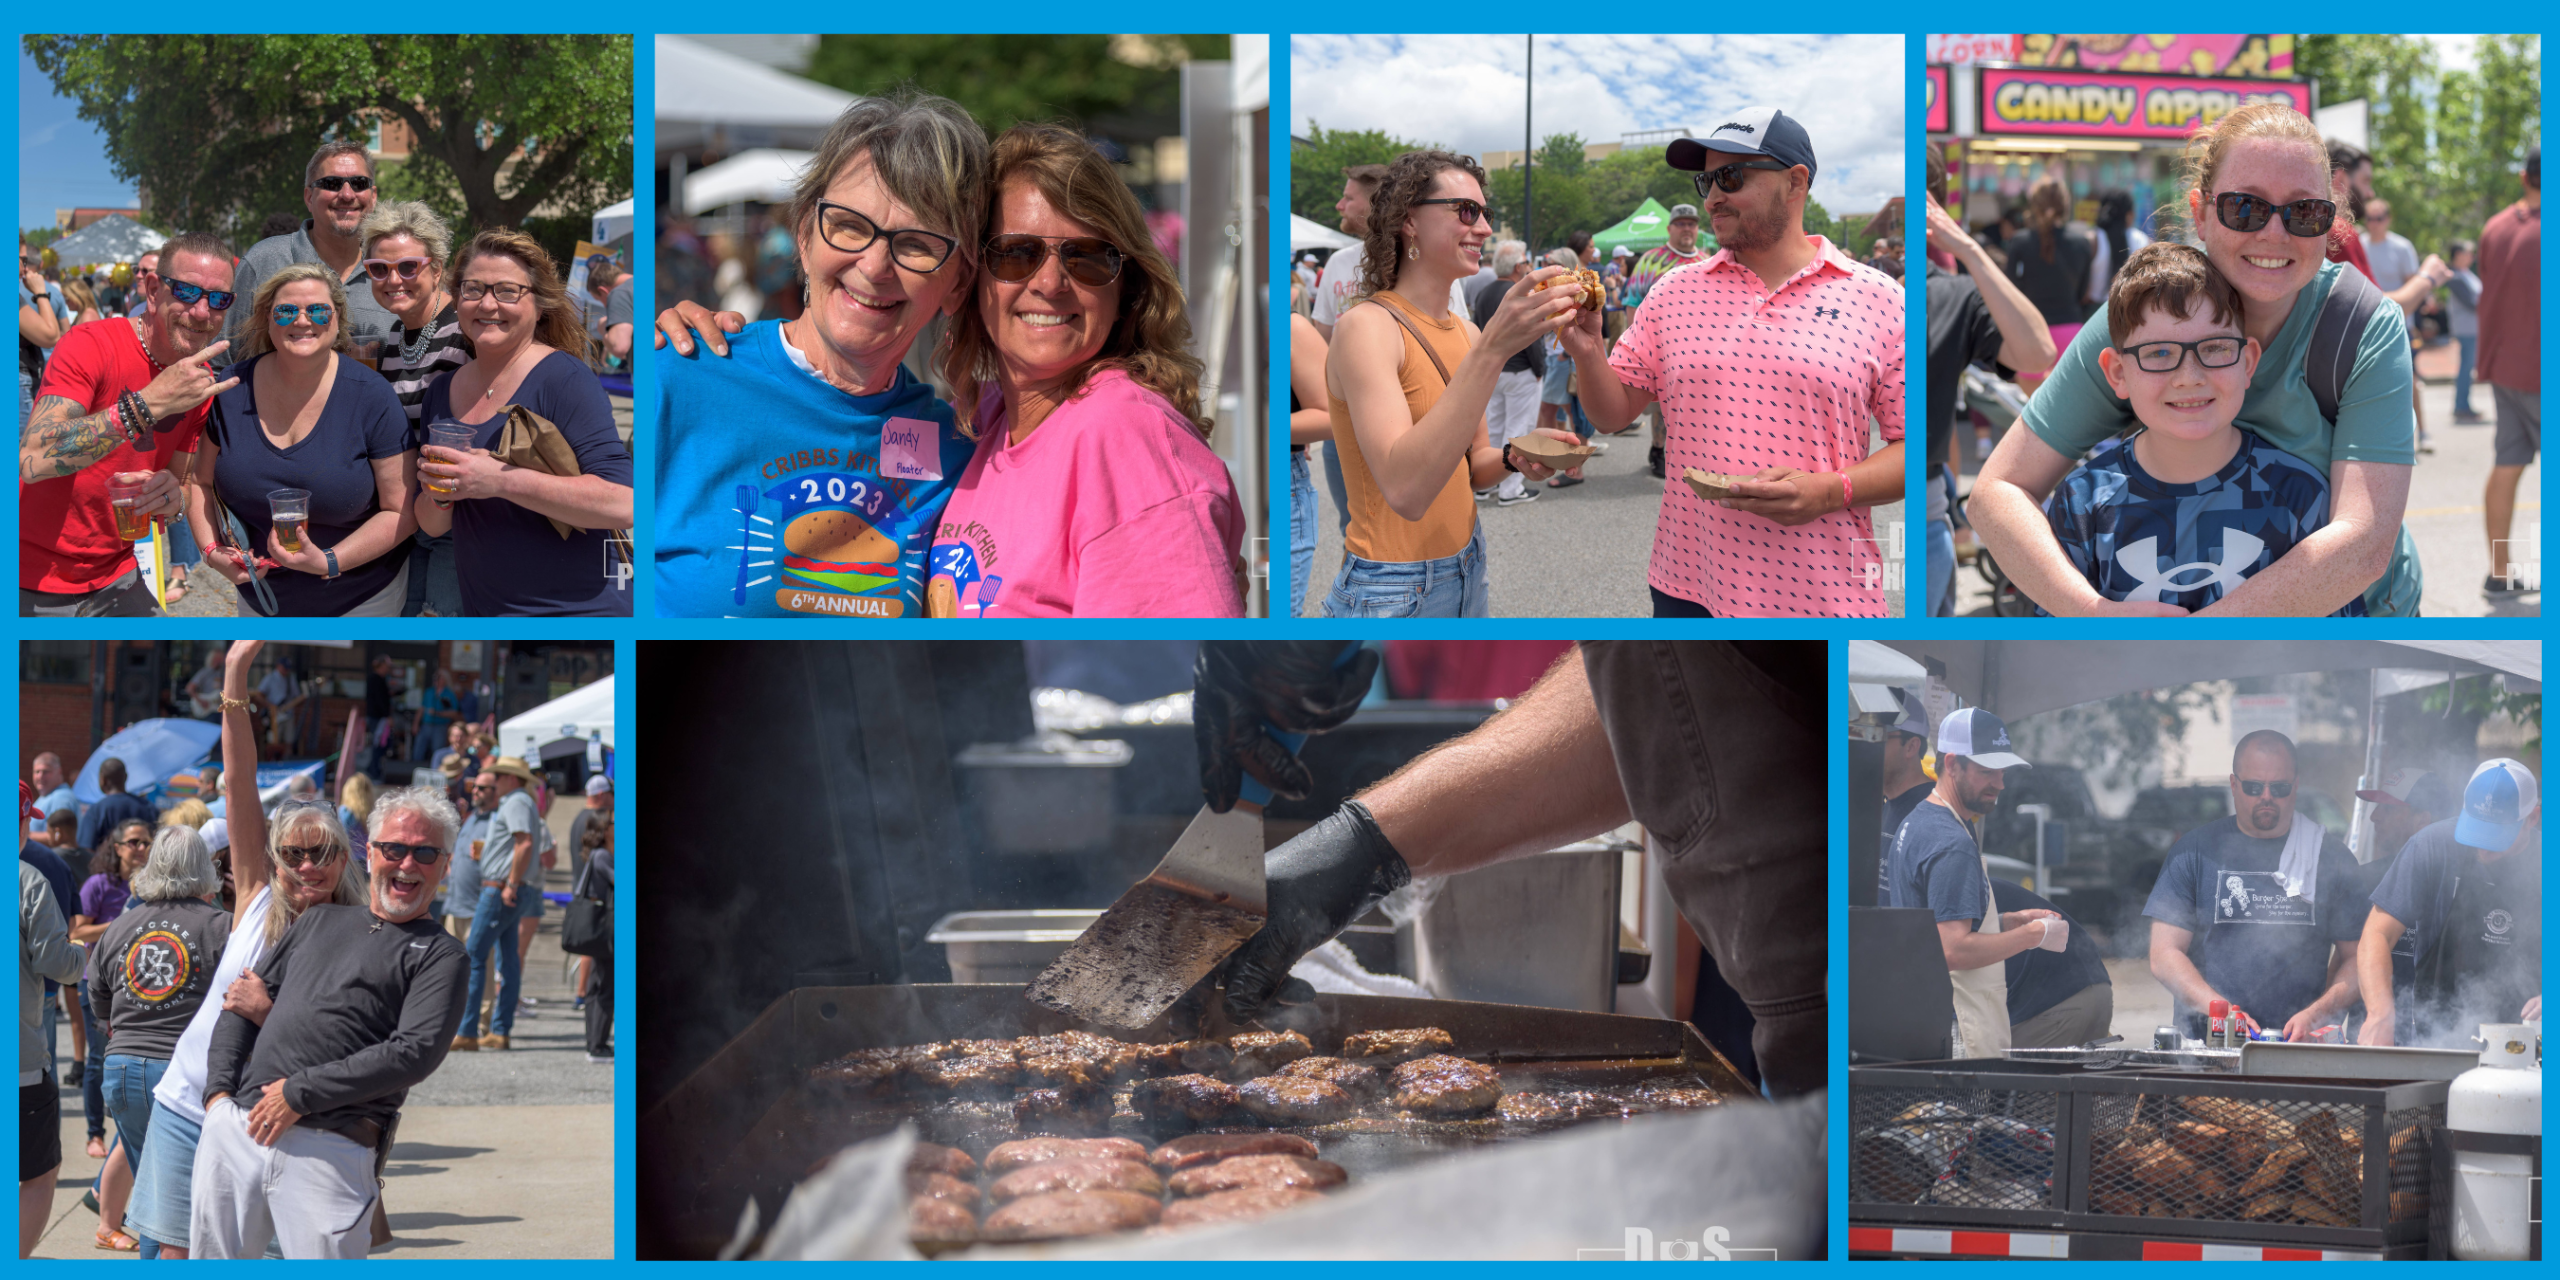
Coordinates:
(1239,685)
(1319,883)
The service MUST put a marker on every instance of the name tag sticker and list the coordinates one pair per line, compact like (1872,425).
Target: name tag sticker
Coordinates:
(911,449)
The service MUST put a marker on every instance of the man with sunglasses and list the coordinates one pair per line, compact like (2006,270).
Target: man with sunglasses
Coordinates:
(2250,906)
(298,1106)
(1768,360)
(339,187)
(462,888)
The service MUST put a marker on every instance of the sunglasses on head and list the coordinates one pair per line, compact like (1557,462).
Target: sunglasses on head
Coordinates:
(2277,789)
(394,852)
(335,182)
(186,294)
(1729,178)
(405,268)
(2241,211)
(2165,356)
(1468,210)
(287,313)
(298,855)
(1089,260)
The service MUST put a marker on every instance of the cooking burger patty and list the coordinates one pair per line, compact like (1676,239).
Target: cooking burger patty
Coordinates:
(1294,1100)
(1358,1079)
(941,1221)
(1386,1048)
(1059,1215)
(1077,1173)
(1009,1156)
(1441,1085)
(1075,1111)
(974,1076)
(1235,1206)
(1259,1053)
(1258,1172)
(1182,1057)
(1183,1100)
(1210,1148)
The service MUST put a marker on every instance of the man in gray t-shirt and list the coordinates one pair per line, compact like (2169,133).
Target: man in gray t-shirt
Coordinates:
(509,877)
(338,190)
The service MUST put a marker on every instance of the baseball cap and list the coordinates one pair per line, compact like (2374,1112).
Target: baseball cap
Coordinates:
(1979,736)
(1679,211)
(599,785)
(1915,718)
(1622,252)
(2495,803)
(217,834)
(1758,131)
(2417,788)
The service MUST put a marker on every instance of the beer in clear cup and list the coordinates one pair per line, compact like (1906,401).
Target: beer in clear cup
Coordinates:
(289,510)
(445,433)
(124,497)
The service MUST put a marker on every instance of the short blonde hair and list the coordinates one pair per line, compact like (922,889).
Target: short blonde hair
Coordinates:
(261,336)
(411,218)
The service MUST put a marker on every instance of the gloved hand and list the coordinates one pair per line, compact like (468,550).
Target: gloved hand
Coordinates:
(1239,685)
(1318,884)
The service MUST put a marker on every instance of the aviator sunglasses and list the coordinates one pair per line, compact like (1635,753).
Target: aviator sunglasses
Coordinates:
(1089,260)
(2241,211)
(287,313)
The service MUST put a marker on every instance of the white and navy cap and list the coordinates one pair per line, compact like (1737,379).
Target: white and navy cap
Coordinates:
(1756,131)
(1979,736)
(2495,803)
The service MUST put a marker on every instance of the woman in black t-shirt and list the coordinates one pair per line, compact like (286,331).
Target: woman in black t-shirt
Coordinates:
(2050,260)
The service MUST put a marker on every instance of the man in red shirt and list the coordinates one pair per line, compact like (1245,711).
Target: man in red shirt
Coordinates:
(119,396)
(2511,359)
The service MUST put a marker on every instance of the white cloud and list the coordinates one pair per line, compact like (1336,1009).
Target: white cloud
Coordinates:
(1465,92)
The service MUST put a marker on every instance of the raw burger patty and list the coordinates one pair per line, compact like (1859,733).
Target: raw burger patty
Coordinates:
(1358,1079)
(1264,1172)
(1292,1100)
(1210,1148)
(1441,1085)
(1259,1053)
(940,1186)
(934,1158)
(1235,1206)
(1385,1048)
(1061,1214)
(1183,1100)
(940,1220)
(1010,1156)
(1077,1173)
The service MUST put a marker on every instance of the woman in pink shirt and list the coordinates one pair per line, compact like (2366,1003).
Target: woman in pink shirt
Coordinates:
(1093,492)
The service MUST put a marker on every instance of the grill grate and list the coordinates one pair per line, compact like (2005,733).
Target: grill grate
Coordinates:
(1982,1149)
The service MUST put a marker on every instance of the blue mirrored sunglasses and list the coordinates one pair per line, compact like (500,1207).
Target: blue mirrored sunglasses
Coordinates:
(186,294)
(287,313)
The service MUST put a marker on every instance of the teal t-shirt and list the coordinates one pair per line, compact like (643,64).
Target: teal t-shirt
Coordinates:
(2075,410)
(781,496)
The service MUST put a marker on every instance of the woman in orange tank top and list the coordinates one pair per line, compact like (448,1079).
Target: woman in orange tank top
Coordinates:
(1409,381)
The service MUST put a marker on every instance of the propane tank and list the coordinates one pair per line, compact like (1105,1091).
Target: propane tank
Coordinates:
(2493,1194)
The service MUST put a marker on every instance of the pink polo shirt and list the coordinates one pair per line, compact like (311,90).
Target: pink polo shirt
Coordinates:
(1112,507)
(1750,379)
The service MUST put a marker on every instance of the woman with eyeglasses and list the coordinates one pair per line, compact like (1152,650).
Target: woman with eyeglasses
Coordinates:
(307,419)
(307,855)
(2260,203)
(1093,491)
(526,541)
(1409,380)
(405,246)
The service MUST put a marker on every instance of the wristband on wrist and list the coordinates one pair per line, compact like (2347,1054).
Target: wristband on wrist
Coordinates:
(1845,497)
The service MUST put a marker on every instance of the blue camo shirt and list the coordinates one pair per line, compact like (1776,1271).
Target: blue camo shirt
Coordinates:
(2137,537)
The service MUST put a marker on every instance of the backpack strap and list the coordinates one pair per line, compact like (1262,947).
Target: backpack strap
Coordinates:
(1425,343)
(2336,335)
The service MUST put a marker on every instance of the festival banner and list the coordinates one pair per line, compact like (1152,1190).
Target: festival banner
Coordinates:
(2096,104)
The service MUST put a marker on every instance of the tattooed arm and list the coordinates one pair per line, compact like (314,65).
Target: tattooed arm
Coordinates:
(59,439)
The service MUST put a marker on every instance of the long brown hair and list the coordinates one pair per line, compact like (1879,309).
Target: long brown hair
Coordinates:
(2048,207)
(557,326)
(1151,338)
(1407,180)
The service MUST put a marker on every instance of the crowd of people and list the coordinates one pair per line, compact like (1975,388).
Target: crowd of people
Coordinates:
(252,1022)
(1420,400)
(2225,420)
(352,418)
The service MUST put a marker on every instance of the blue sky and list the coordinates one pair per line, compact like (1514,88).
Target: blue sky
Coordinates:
(1464,92)
(62,159)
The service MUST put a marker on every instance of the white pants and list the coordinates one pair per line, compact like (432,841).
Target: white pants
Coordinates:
(1511,414)
(312,1192)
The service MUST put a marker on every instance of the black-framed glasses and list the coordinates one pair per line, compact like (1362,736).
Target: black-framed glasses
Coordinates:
(1728,178)
(2241,211)
(405,268)
(2165,356)
(850,230)
(315,855)
(1468,210)
(336,182)
(2277,789)
(185,294)
(1090,260)
(508,293)
(394,851)
(287,312)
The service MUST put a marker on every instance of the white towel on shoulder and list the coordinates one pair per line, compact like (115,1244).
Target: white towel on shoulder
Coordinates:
(2300,867)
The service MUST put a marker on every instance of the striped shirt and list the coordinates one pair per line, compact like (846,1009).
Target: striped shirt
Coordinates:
(1748,379)
(444,353)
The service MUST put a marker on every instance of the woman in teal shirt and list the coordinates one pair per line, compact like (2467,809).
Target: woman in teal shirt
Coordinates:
(2263,164)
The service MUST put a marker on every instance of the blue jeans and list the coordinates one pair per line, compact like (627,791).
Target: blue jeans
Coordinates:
(1450,587)
(1335,488)
(494,922)
(433,581)
(1302,529)
(1942,569)
(130,1081)
(2462,375)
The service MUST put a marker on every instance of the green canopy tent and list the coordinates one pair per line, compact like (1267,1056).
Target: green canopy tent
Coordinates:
(1647,227)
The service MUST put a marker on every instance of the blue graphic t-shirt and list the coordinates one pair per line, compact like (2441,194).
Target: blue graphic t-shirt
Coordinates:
(2136,537)
(780,495)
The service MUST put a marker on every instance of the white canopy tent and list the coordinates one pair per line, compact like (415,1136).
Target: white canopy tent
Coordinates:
(1307,233)
(583,716)
(706,96)
(612,222)
(764,174)
(111,239)
(2017,678)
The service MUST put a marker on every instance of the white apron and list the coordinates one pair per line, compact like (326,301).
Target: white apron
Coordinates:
(1982,995)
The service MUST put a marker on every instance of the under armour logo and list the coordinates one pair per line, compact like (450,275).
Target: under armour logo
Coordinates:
(1831,312)
(2240,550)
(1731,126)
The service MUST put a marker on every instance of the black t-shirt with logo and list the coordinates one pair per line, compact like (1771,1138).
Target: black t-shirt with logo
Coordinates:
(150,971)
(2419,891)
(2264,951)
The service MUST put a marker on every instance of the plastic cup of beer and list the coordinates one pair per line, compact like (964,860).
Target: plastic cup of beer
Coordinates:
(289,509)
(124,497)
(446,434)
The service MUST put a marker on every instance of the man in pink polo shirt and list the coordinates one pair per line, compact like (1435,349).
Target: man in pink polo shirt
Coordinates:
(1769,358)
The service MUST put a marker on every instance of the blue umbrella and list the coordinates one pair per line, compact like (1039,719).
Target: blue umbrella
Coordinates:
(153,751)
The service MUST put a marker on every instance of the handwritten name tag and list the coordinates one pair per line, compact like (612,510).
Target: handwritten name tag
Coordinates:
(911,449)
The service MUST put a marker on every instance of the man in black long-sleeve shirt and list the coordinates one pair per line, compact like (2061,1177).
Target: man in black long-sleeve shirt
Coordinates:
(364,1002)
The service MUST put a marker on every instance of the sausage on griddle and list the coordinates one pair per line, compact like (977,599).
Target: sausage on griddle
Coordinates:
(1183,1100)
(1260,1053)
(940,1186)
(1077,1173)
(932,1221)
(1441,1085)
(1009,1156)
(1386,1048)
(1245,1172)
(1210,1148)
(1235,1206)
(1358,1079)
(1060,1215)
(931,1157)
(1294,1100)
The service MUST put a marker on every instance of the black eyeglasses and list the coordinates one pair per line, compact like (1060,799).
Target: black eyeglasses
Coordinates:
(1091,261)
(298,855)
(186,294)
(336,182)
(852,231)
(2277,789)
(1468,210)
(1728,178)
(2241,211)
(2165,356)
(506,293)
(393,851)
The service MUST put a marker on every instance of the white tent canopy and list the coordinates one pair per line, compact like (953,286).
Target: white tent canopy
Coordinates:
(2017,678)
(765,174)
(612,222)
(1307,233)
(111,239)
(581,715)
(702,90)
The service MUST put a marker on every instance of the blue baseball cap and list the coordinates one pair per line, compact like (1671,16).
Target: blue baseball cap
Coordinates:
(1757,131)
(1979,736)
(2495,803)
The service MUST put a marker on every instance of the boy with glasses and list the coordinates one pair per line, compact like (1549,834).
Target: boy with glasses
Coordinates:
(2187,508)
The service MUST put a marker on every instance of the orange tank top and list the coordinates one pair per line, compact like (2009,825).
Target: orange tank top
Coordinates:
(1376,532)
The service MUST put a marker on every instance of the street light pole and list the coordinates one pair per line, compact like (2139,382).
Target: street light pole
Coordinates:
(1528,152)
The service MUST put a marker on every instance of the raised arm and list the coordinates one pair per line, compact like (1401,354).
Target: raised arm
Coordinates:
(2026,344)
(250,868)
(59,438)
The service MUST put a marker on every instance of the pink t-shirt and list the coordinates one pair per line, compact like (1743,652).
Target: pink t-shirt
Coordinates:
(1750,379)
(1112,508)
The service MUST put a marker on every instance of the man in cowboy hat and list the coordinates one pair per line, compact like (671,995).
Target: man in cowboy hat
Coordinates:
(508,846)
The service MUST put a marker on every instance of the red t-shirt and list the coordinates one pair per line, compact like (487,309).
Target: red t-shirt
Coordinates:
(2348,247)
(2510,270)
(66,536)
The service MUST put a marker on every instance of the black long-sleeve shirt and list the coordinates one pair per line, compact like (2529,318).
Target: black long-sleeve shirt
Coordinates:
(363,1010)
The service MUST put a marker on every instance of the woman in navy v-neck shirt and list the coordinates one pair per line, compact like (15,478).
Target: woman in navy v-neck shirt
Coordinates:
(306,415)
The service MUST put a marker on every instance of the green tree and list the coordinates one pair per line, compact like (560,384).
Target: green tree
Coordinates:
(1561,154)
(2447,146)
(214,130)
(1316,166)
(1001,80)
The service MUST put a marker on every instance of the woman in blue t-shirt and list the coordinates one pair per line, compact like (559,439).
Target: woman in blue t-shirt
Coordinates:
(527,541)
(304,414)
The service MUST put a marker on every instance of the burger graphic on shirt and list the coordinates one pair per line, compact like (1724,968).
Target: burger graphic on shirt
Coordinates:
(837,549)
(845,546)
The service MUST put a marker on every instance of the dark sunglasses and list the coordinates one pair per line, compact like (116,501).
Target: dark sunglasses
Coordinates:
(186,294)
(1729,178)
(133,844)
(385,268)
(395,852)
(336,182)
(2241,211)
(852,231)
(1468,210)
(1089,260)
(2165,356)
(296,855)
(287,313)
(2277,789)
